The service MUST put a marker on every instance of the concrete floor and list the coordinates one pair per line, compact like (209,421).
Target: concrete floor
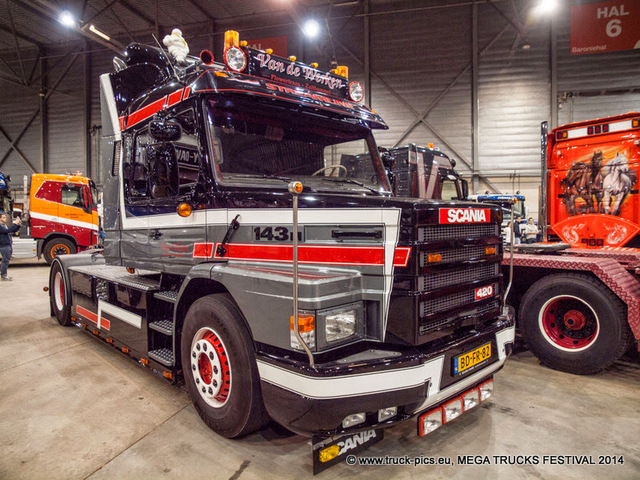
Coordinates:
(72,407)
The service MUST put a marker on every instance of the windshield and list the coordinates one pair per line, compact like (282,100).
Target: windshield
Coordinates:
(267,145)
(449,189)
(518,211)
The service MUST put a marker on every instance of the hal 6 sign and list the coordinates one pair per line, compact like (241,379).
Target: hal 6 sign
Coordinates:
(605,26)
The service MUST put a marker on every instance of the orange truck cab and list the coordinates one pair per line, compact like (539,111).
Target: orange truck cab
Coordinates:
(592,177)
(63,214)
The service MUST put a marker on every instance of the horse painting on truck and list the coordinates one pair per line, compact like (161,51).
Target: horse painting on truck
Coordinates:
(592,181)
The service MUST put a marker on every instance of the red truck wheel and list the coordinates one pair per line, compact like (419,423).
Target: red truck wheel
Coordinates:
(58,296)
(58,246)
(574,323)
(220,370)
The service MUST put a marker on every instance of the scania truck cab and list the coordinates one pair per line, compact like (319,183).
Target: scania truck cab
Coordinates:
(241,253)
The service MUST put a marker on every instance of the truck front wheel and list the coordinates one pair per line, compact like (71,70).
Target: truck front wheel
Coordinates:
(58,296)
(219,365)
(58,246)
(574,323)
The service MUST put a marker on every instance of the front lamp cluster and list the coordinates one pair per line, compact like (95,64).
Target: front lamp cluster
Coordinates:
(331,326)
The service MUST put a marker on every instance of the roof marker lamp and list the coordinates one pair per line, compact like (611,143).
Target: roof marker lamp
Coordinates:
(356,92)
(67,19)
(311,28)
(234,57)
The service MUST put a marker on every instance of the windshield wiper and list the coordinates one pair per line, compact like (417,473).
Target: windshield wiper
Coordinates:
(352,181)
(278,177)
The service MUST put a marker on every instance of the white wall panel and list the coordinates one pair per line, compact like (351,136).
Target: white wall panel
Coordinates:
(66,113)
(18,104)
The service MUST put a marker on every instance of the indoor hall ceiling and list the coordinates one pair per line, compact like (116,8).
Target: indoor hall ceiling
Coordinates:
(25,24)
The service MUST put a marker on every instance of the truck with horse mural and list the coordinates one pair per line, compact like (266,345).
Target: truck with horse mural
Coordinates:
(578,297)
(579,300)
(592,175)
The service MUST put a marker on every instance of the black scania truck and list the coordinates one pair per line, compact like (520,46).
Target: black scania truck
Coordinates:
(241,254)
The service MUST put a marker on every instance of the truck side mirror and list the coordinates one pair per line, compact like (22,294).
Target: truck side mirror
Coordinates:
(465,188)
(163,180)
(86,204)
(165,130)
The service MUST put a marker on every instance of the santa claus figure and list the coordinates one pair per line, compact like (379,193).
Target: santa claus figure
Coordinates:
(178,48)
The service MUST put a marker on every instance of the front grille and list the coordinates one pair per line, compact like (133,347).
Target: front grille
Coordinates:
(436,324)
(455,277)
(449,302)
(454,255)
(452,232)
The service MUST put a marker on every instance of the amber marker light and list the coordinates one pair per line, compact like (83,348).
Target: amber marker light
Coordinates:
(490,250)
(343,71)
(269,51)
(434,257)
(293,58)
(231,39)
(635,122)
(295,187)
(306,323)
(184,209)
(329,453)
(314,65)
(131,270)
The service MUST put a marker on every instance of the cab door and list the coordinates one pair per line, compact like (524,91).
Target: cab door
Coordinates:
(174,177)
(134,192)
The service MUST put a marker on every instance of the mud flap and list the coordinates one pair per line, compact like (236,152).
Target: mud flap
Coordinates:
(328,452)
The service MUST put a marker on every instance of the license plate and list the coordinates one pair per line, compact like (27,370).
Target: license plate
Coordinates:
(474,357)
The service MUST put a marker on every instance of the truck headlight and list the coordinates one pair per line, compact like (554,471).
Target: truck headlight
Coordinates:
(341,322)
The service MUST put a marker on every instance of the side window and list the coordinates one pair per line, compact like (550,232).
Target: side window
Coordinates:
(187,155)
(135,168)
(71,195)
(140,167)
(156,170)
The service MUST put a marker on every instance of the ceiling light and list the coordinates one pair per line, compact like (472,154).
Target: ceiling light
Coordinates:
(546,6)
(311,28)
(99,33)
(67,19)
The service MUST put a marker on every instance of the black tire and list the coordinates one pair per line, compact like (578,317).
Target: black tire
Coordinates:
(574,323)
(59,296)
(219,365)
(58,246)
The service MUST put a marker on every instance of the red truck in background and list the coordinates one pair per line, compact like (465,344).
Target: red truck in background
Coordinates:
(592,173)
(62,217)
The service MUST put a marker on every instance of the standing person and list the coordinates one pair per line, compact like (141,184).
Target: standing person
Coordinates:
(507,234)
(516,230)
(6,243)
(531,231)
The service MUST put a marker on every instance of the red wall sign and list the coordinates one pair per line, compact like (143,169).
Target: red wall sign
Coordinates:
(277,44)
(605,26)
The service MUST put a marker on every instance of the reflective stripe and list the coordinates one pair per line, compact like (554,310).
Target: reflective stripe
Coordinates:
(343,386)
(63,221)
